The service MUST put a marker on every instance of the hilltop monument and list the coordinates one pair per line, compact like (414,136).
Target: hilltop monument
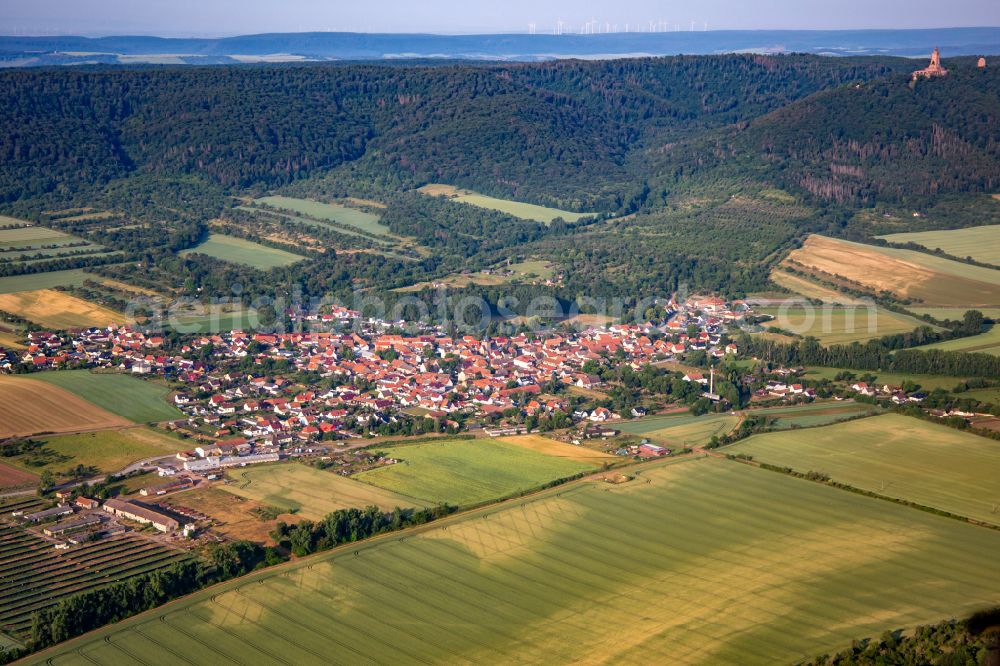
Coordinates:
(933,69)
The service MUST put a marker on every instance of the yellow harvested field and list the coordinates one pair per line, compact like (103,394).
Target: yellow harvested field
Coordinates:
(551,447)
(57,309)
(808,288)
(29,407)
(906,273)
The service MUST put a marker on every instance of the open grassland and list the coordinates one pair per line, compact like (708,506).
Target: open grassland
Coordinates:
(813,414)
(28,406)
(551,447)
(908,274)
(350,217)
(954,313)
(22,243)
(531,271)
(135,399)
(525,211)
(105,450)
(927,382)
(681,430)
(465,472)
(12,477)
(241,251)
(980,243)
(897,456)
(33,575)
(34,281)
(695,562)
(58,310)
(835,325)
(985,343)
(311,493)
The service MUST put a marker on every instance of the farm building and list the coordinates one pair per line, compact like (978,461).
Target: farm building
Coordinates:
(141,514)
(54,512)
(71,526)
(168,487)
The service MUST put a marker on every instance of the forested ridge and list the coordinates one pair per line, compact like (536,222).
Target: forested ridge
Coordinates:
(515,130)
(698,170)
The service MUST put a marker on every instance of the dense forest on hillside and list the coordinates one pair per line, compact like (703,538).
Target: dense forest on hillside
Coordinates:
(885,140)
(698,171)
(514,130)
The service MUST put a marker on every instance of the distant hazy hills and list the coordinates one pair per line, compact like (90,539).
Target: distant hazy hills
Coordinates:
(38,51)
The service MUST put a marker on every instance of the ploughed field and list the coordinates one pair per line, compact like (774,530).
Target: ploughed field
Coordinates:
(29,406)
(694,561)
(896,456)
(465,472)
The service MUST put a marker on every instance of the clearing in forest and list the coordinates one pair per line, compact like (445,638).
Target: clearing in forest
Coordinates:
(241,251)
(525,211)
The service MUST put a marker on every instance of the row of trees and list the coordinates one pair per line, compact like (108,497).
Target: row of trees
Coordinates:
(349,525)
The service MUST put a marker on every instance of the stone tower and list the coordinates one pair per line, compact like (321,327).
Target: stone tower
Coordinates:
(933,69)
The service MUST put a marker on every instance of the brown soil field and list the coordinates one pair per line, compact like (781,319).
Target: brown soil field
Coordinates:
(28,407)
(56,309)
(11,477)
(231,512)
(908,274)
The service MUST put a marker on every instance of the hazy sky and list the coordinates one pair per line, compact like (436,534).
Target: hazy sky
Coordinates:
(229,17)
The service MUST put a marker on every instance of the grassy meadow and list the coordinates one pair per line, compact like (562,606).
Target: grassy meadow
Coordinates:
(954,313)
(350,217)
(106,450)
(525,211)
(694,562)
(924,278)
(531,270)
(927,382)
(980,243)
(34,281)
(310,493)
(241,251)
(897,456)
(135,399)
(985,343)
(835,325)
(680,430)
(813,414)
(464,472)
